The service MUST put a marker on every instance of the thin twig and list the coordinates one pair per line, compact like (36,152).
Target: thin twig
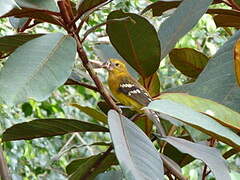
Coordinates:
(89,31)
(72,82)
(25,26)
(4,173)
(204,174)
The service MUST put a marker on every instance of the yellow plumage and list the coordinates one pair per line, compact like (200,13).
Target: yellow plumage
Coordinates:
(124,87)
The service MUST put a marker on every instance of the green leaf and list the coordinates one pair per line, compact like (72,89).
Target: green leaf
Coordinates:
(110,175)
(37,68)
(6,6)
(161,6)
(222,114)
(86,5)
(180,22)
(48,127)
(197,120)
(92,112)
(217,82)
(136,154)
(209,155)
(188,61)
(90,167)
(136,41)
(9,43)
(223,20)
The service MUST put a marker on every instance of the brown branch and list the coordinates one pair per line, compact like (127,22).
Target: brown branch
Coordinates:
(25,26)
(4,173)
(83,56)
(204,174)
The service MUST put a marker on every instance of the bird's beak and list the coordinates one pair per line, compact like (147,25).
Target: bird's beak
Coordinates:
(107,65)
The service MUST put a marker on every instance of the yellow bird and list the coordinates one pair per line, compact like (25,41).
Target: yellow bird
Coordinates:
(125,88)
(128,91)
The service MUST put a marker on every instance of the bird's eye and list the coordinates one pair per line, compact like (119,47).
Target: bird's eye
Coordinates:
(117,64)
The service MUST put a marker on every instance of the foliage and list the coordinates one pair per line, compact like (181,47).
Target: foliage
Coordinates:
(42,80)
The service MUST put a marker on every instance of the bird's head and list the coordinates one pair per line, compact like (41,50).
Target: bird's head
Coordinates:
(115,65)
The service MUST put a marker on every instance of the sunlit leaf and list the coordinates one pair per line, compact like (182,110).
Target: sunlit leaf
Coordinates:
(37,68)
(92,112)
(222,114)
(48,127)
(136,154)
(197,120)
(237,61)
(188,61)
(136,41)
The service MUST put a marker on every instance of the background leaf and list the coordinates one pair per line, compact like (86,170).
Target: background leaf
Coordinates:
(43,63)
(188,61)
(136,154)
(86,5)
(109,175)
(196,120)
(217,82)
(6,6)
(136,41)
(9,43)
(179,23)
(89,168)
(48,127)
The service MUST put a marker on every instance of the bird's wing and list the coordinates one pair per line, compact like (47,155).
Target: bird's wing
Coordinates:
(135,90)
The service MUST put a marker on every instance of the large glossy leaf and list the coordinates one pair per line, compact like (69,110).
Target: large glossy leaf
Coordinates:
(188,61)
(9,43)
(180,22)
(92,112)
(222,114)
(237,61)
(136,41)
(6,6)
(209,155)
(37,68)
(136,154)
(217,82)
(48,127)
(197,120)
(90,167)
(86,5)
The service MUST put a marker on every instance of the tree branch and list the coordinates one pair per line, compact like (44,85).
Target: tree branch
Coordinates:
(4,173)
